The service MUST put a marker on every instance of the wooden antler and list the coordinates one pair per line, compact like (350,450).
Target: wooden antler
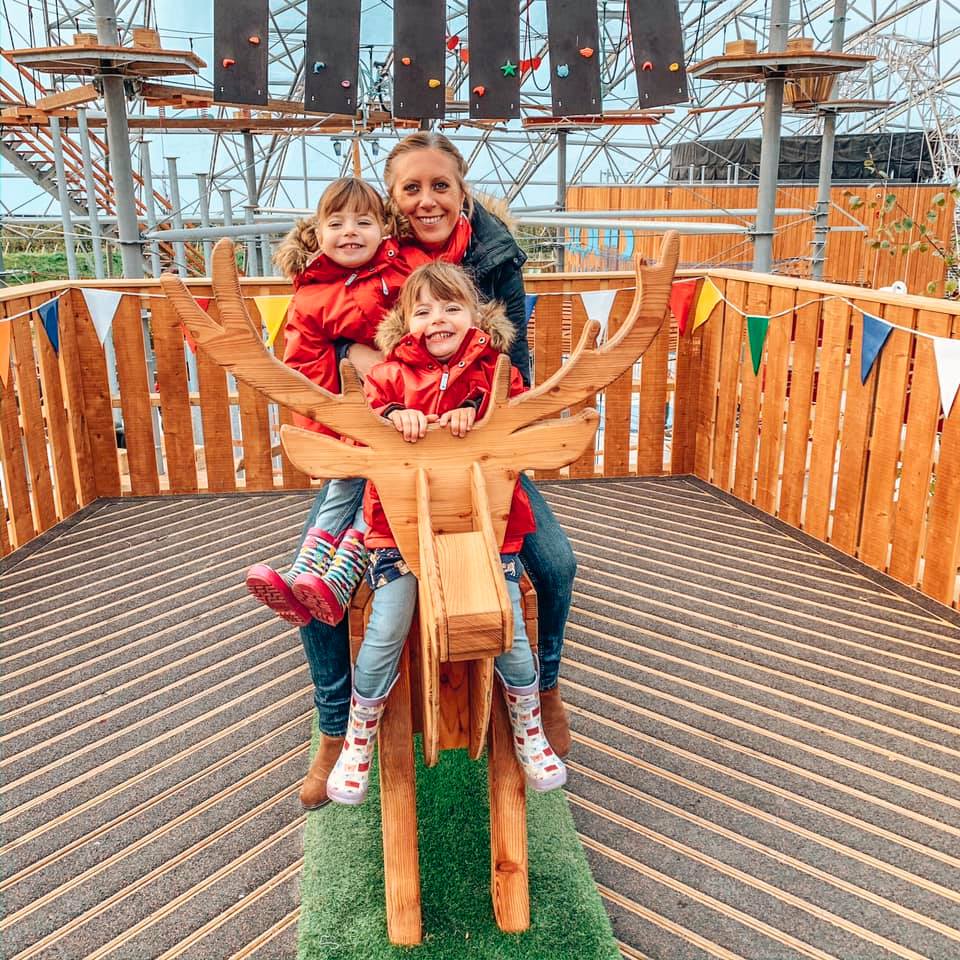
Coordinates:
(591,368)
(236,344)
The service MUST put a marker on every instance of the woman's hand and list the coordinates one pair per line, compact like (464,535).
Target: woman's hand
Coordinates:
(460,420)
(363,358)
(411,423)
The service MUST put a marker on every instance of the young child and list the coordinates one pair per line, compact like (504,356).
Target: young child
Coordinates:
(442,347)
(346,274)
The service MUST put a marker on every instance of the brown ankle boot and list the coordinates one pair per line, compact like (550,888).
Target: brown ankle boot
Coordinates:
(313,793)
(555,723)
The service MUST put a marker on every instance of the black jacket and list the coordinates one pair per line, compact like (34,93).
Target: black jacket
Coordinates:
(495,261)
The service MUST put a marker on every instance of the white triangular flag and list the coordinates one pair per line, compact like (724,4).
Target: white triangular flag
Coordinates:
(947,353)
(598,304)
(102,306)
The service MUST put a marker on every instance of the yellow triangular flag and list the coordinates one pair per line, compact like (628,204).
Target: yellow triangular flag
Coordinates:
(709,297)
(5,329)
(273,310)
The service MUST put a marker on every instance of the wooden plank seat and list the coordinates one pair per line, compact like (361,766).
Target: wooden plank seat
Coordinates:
(402,720)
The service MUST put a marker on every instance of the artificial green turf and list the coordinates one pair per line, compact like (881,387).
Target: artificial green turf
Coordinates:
(342,891)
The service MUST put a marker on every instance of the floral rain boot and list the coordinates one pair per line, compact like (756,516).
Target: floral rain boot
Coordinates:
(275,589)
(542,768)
(350,777)
(326,596)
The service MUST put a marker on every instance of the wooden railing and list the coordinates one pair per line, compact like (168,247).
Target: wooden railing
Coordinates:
(869,468)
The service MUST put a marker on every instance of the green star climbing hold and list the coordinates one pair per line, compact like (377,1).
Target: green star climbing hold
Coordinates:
(509,69)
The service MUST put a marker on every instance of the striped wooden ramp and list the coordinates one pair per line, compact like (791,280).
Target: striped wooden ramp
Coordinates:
(766,762)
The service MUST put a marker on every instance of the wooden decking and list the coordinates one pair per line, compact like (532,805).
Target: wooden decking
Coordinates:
(765,766)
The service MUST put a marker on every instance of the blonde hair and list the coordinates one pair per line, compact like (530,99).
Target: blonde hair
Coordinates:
(346,195)
(444,281)
(423,140)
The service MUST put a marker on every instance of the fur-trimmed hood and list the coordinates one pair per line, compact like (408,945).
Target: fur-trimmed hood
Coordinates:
(491,319)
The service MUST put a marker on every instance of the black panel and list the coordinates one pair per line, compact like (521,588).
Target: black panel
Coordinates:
(574,77)
(494,41)
(902,156)
(332,56)
(419,34)
(244,80)
(658,44)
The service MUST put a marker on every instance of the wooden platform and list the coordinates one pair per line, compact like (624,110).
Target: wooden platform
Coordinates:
(765,759)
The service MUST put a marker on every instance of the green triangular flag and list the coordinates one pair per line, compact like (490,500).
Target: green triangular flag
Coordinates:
(757,332)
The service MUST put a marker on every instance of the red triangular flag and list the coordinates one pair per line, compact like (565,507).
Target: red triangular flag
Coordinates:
(681,299)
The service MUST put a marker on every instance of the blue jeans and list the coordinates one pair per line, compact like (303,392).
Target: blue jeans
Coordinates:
(550,564)
(390,618)
(339,498)
(328,648)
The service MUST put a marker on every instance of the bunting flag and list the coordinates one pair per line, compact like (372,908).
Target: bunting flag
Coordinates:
(875,333)
(529,303)
(273,310)
(50,317)
(709,297)
(102,307)
(757,334)
(6,328)
(681,299)
(947,353)
(598,304)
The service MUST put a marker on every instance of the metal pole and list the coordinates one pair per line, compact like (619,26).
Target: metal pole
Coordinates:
(92,211)
(561,194)
(118,139)
(227,204)
(770,144)
(179,247)
(205,220)
(250,176)
(151,204)
(64,197)
(821,226)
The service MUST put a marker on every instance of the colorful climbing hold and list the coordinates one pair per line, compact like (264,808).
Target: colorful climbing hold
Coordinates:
(586,52)
(345,84)
(674,67)
(452,42)
(227,62)
(433,83)
(465,54)
(406,61)
(254,40)
(563,70)
(318,65)
(647,65)
(509,69)
(479,90)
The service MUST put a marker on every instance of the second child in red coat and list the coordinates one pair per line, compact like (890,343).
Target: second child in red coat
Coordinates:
(442,347)
(346,274)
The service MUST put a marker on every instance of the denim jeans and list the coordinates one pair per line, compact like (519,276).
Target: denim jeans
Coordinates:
(327,648)
(549,562)
(390,618)
(551,566)
(339,498)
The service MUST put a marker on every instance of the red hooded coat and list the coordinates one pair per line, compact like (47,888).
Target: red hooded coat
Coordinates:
(411,378)
(331,302)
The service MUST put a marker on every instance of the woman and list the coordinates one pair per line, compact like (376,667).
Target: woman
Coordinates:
(425,178)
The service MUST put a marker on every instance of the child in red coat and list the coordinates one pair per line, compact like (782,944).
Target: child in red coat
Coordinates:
(346,274)
(442,348)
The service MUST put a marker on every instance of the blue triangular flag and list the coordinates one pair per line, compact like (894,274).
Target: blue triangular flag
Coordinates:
(50,316)
(529,304)
(875,333)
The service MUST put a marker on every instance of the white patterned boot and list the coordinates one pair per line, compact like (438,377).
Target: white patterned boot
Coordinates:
(350,777)
(542,768)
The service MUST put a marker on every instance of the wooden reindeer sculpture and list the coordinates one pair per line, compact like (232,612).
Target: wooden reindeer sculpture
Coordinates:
(447,501)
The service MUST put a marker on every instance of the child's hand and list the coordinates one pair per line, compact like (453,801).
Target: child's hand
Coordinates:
(411,423)
(460,420)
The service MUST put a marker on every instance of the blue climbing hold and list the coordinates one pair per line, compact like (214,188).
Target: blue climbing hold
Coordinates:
(563,70)
(318,66)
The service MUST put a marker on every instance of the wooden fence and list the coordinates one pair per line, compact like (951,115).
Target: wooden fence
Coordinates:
(869,468)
